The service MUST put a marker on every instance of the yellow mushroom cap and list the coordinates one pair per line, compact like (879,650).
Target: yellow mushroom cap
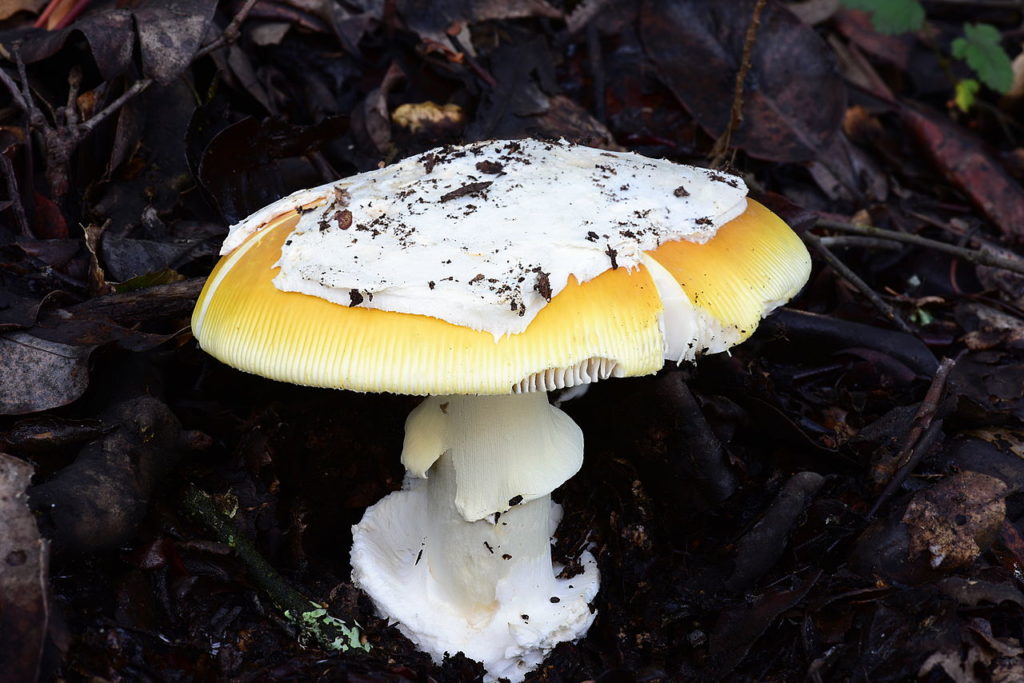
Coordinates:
(611,325)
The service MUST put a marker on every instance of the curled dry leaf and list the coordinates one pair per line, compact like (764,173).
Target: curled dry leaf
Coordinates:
(24,565)
(36,374)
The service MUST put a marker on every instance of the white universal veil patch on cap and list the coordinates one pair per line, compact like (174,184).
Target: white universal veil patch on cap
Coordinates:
(484,235)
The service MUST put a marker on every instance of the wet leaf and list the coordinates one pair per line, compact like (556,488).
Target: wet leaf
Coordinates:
(109,34)
(961,157)
(793,98)
(17,311)
(526,77)
(98,500)
(36,374)
(990,387)
(432,18)
(48,434)
(170,32)
(240,168)
(737,629)
(971,592)
(24,573)
(125,258)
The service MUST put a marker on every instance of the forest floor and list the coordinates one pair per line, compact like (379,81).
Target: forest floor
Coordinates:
(837,499)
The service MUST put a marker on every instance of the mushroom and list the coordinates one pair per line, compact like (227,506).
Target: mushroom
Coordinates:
(484,276)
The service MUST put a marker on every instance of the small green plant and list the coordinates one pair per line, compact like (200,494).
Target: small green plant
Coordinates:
(979,46)
(319,626)
(891,16)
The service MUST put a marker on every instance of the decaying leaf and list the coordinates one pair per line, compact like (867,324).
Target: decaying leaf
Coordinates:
(951,522)
(793,98)
(36,374)
(24,569)
(170,32)
(962,158)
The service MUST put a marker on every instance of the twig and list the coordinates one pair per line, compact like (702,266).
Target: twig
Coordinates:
(61,140)
(74,83)
(906,460)
(15,196)
(86,126)
(231,32)
(314,623)
(482,73)
(736,114)
(857,241)
(931,433)
(844,271)
(977,256)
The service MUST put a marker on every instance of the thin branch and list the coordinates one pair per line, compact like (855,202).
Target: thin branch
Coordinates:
(977,256)
(858,241)
(314,623)
(86,126)
(15,195)
(15,91)
(74,83)
(844,271)
(231,32)
(736,115)
(922,434)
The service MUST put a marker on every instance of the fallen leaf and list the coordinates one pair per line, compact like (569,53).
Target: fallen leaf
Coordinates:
(240,170)
(962,158)
(431,19)
(793,99)
(36,374)
(953,521)
(110,35)
(24,575)
(170,32)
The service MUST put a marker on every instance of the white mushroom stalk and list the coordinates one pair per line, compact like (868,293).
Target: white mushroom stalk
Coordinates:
(461,557)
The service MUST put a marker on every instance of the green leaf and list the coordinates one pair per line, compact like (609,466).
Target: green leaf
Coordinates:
(891,16)
(966,93)
(980,48)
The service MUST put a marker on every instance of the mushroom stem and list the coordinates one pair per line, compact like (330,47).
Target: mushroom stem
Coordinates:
(469,559)
(461,557)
